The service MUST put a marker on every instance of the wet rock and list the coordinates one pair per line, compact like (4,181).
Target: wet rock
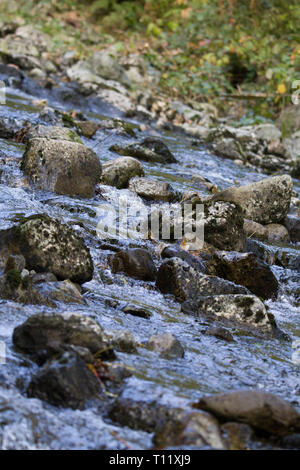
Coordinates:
(122,341)
(150,149)
(229,148)
(118,126)
(243,309)
(135,262)
(265,202)
(281,257)
(152,190)
(137,311)
(48,245)
(189,429)
(248,270)
(277,233)
(118,172)
(166,345)
(52,132)
(289,120)
(293,226)
(238,435)
(220,333)
(263,411)
(178,278)
(255,230)
(42,277)
(64,291)
(62,166)
(43,336)
(66,382)
(87,128)
(177,252)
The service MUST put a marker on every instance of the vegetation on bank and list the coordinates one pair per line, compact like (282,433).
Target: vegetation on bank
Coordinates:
(232,53)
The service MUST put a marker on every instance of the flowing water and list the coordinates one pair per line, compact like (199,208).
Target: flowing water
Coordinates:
(210,365)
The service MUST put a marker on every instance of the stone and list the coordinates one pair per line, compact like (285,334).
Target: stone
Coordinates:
(255,230)
(248,270)
(48,245)
(44,336)
(292,224)
(229,148)
(267,132)
(52,132)
(262,410)
(64,291)
(61,166)
(118,172)
(289,120)
(65,382)
(220,333)
(87,128)
(122,341)
(135,262)
(265,202)
(150,149)
(137,311)
(277,233)
(174,251)
(166,345)
(239,435)
(152,190)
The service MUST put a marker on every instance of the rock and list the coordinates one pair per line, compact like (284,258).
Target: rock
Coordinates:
(263,411)
(64,291)
(255,230)
(283,257)
(174,251)
(166,345)
(277,233)
(122,341)
(248,270)
(150,149)
(48,245)
(289,120)
(135,262)
(103,63)
(267,132)
(137,311)
(87,128)
(62,166)
(220,333)
(189,429)
(291,147)
(120,101)
(243,309)
(118,172)
(152,190)
(19,51)
(265,202)
(176,277)
(44,336)
(137,70)
(66,382)
(229,148)
(52,132)
(293,226)
(239,435)
(15,262)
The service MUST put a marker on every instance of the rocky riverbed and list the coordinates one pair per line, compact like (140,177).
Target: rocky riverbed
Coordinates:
(141,342)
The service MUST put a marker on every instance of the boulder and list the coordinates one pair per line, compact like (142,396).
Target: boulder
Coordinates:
(62,166)
(44,336)
(265,202)
(174,251)
(118,172)
(152,190)
(262,410)
(52,132)
(243,309)
(248,270)
(255,230)
(65,382)
(176,277)
(48,245)
(166,345)
(277,233)
(135,262)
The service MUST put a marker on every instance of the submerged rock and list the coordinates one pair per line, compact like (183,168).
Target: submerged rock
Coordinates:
(248,270)
(48,245)
(166,345)
(135,262)
(263,411)
(265,202)
(152,190)
(118,172)
(150,149)
(66,382)
(44,336)
(62,166)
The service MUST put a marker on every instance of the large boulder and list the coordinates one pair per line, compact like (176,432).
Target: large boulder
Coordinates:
(248,270)
(178,278)
(265,202)
(62,166)
(263,411)
(118,172)
(48,245)
(135,262)
(43,336)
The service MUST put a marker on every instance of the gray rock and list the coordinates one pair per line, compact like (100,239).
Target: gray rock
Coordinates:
(152,190)
(118,172)
(52,132)
(267,132)
(166,345)
(265,202)
(135,262)
(289,120)
(61,166)
(263,411)
(255,230)
(150,149)
(277,233)
(292,224)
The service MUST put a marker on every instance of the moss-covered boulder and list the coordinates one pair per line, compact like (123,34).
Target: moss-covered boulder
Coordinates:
(62,166)
(48,245)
